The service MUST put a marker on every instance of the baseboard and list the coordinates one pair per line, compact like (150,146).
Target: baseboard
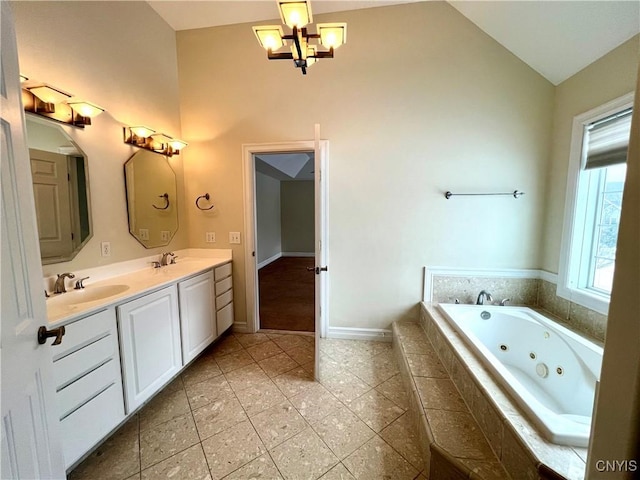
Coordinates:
(298,254)
(240,328)
(269,260)
(348,333)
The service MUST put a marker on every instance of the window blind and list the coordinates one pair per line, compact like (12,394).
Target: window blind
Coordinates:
(608,140)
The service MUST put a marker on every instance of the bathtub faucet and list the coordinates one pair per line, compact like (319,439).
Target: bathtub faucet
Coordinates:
(482,295)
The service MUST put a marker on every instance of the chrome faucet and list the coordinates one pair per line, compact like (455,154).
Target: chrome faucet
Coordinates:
(482,295)
(165,258)
(59,286)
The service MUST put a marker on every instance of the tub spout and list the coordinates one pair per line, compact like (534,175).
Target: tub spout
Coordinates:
(481,297)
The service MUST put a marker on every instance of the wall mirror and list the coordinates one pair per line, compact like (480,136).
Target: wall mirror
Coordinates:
(61,191)
(151,199)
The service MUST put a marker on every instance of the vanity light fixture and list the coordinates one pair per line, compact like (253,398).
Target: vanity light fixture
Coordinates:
(147,138)
(55,104)
(296,14)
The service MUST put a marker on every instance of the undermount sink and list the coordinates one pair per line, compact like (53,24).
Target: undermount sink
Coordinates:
(87,295)
(91,294)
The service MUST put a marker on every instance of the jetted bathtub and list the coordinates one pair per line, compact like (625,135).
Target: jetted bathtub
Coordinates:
(550,371)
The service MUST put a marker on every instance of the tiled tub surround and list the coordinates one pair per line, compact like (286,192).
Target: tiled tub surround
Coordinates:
(515,441)
(532,292)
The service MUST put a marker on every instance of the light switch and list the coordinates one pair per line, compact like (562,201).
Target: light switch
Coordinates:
(143,233)
(210,237)
(234,237)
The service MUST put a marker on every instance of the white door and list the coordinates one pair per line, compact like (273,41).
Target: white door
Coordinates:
(50,173)
(320,241)
(31,447)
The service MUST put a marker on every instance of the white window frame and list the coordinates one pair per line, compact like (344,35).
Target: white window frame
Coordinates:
(572,238)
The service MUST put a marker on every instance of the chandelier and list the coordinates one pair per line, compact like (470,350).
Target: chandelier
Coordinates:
(303,45)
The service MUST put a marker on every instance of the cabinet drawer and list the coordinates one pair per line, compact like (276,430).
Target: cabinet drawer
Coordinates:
(73,366)
(224,299)
(82,390)
(224,285)
(85,427)
(225,318)
(222,271)
(85,331)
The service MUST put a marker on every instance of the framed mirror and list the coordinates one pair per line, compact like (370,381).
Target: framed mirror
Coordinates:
(61,190)
(151,198)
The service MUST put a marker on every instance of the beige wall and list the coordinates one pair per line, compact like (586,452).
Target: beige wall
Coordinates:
(433,104)
(608,78)
(268,216)
(298,228)
(122,56)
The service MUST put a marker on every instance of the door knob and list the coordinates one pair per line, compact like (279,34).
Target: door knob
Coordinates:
(43,334)
(317,269)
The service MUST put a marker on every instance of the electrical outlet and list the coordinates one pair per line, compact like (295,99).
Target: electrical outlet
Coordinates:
(210,237)
(105,249)
(143,233)
(234,237)
(165,235)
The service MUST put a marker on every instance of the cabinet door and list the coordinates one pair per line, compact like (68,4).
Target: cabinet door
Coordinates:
(197,315)
(149,330)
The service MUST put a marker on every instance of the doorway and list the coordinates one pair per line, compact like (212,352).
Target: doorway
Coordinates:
(284,199)
(285,221)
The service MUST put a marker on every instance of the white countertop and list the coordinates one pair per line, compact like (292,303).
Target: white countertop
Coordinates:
(67,307)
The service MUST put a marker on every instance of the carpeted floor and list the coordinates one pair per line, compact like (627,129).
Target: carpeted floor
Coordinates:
(287,294)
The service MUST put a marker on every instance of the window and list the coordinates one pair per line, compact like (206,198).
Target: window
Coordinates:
(594,200)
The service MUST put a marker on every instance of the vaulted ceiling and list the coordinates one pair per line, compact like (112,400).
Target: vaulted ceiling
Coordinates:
(556,38)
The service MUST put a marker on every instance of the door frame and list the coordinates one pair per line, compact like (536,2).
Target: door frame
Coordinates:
(250,225)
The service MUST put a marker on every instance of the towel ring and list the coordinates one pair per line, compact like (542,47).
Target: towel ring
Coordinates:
(206,197)
(166,199)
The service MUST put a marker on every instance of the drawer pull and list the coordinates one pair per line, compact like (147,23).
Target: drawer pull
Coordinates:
(43,334)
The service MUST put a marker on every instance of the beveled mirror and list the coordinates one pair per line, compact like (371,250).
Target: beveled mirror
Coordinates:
(151,199)
(61,190)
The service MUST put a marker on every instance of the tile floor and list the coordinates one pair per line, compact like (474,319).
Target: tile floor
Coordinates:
(249,408)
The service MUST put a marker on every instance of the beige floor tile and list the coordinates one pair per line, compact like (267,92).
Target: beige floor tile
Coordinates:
(229,450)
(315,403)
(278,423)
(289,342)
(304,354)
(376,370)
(246,377)
(219,415)
(345,386)
(309,367)
(225,346)
(295,381)
(259,397)
(190,464)
(402,436)
(376,410)
(330,367)
(260,468)
(394,390)
(339,472)
(169,438)
(116,459)
(203,368)
(439,394)
(250,339)
(233,361)
(165,406)
(264,350)
(135,476)
(343,432)
(278,364)
(203,393)
(377,460)
(303,456)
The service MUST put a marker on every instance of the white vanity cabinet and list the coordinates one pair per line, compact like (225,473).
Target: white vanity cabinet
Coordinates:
(197,314)
(224,297)
(86,369)
(149,329)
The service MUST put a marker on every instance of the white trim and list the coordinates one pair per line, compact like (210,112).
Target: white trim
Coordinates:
(248,174)
(348,333)
(298,254)
(548,276)
(568,263)
(269,260)
(430,272)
